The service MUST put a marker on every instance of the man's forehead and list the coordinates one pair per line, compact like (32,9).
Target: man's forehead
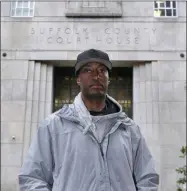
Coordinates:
(93,64)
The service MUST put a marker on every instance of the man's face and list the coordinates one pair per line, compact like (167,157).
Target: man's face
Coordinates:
(93,80)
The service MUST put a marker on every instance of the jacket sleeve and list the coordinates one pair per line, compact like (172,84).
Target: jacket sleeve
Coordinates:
(36,172)
(145,176)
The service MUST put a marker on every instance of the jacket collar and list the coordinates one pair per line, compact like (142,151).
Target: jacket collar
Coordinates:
(77,112)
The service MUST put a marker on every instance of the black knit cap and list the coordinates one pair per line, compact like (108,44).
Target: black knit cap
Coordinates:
(92,55)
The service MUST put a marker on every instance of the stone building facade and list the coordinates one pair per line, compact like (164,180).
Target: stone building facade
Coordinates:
(53,34)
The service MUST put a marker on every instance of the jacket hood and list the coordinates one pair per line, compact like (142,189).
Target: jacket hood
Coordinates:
(77,112)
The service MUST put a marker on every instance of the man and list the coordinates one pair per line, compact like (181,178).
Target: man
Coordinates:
(90,145)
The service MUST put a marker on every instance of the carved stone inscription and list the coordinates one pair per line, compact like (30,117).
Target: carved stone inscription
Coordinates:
(131,36)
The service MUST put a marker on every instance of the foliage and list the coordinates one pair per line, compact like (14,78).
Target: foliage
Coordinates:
(182,170)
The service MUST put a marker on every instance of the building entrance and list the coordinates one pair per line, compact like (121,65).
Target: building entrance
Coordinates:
(120,87)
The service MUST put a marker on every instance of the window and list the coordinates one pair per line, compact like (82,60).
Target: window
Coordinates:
(22,9)
(165,8)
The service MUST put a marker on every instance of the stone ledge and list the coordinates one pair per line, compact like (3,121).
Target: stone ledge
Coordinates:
(110,9)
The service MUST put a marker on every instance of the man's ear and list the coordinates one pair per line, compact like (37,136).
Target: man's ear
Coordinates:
(78,80)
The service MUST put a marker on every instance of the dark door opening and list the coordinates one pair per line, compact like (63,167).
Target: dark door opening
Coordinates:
(120,87)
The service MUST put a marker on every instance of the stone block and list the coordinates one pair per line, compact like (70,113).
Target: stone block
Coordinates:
(48,108)
(28,116)
(173,134)
(14,69)
(132,9)
(136,112)
(148,68)
(149,112)
(9,130)
(9,175)
(142,72)
(136,73)
(153,134)
(51,9)
(19,90)
(35,108)
(43,75)
(155,152)
(41,112)
(6,90)
(30,87)
(179,91)
(5,9)
(142,93)
(165,112)
(156,112)
(12,154)
(156,132)
(165,91)
(92,9)
(178,112)
(148,87)
(136,92)
(31,71)
(37,71)
(155,71)
(27,137)
(181,8)
(155,91)
(12,111)
(170,156)
(168,179)
(43,92)
(36,90)
(49,91)
(10,187)
(49,73)
(142,112)
(172,71)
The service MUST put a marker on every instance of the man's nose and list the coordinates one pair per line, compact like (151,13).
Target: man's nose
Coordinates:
(95,74)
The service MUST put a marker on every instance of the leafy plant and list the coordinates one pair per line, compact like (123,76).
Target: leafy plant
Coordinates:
(182,170)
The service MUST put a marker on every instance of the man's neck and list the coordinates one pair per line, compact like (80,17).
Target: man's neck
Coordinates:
(94,104)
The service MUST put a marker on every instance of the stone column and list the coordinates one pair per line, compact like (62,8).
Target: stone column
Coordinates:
(159,99)
(39,99)
(171,77)
(145,106)
(14,75)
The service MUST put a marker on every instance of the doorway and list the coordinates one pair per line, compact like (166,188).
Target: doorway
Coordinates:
(120,87)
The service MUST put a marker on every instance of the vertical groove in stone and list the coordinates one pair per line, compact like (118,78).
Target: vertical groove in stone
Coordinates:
(49,91)
(41,112)
(136,85)
(36,96)
(27,123)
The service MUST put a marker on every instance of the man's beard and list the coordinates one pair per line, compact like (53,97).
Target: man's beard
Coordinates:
(95,95)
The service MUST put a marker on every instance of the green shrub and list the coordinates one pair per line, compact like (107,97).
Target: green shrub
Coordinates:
(182,171)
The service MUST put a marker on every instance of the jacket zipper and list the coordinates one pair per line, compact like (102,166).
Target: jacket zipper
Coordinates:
(100,147)
(92,135)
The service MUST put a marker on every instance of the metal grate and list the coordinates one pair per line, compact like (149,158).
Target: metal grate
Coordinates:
(120,88)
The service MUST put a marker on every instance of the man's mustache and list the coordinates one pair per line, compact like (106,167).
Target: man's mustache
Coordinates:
(97,84)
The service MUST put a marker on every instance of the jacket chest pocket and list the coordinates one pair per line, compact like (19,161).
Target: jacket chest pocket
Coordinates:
(120,149)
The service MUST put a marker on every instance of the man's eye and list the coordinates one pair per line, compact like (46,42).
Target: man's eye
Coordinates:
(87,70)
(103,70)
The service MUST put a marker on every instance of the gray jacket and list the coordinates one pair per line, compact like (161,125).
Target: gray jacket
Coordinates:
(66,156)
